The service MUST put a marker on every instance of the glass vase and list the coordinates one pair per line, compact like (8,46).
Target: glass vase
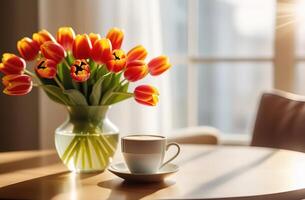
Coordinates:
(87,140)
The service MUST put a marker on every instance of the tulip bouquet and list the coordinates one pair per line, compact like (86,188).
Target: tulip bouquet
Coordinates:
(81,70)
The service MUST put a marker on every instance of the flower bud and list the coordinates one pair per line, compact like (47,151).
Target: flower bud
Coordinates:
(136,70)
(146,94)
(65,36)
(12,64)
(158,65)
(42,37)
(136,53)
(53,51)
(28,48)
(16,84)
(116,36)
(81,47)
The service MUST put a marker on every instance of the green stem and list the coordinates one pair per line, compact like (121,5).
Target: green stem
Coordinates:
(105,140)
(77,154)
(121,82)
(30,73)
(69,147)
(88,151)
(85,89)
(72,152)
(67,64)
(98,153)
(59,83)
(83,148)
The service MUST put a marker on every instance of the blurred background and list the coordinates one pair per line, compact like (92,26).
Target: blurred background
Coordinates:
(225,53)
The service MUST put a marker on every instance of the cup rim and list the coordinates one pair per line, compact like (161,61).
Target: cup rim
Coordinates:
(152,135)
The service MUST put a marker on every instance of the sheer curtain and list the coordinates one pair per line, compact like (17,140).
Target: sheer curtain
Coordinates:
(142,24)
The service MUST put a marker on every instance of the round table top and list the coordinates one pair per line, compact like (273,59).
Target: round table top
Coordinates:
(205,172)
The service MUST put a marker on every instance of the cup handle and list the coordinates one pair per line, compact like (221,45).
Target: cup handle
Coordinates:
(172,158)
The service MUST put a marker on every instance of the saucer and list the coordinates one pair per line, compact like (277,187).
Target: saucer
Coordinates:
(121,170)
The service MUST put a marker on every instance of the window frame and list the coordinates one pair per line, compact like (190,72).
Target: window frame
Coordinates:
(283,60)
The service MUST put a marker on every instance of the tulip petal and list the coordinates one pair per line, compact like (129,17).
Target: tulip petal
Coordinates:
(136,53)
(42,37)
(158,65)
(12,64)
(116,36)
(102,51)
(53,51)
(65,36)
(28,48)
(81,47)
(17,84)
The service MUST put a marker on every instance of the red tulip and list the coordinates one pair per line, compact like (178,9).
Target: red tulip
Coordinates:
(118,61)
(12,64)
(42,37)
(53,51)
(146,94)
(81,47)
(94,37)
(135,70)
(102,51)
(80,71)
(28,48)
(16,84)
(116,36)
(158,65)
(46,68)
(65,36)
(136,53)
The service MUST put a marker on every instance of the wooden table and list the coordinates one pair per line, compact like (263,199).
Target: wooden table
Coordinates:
(205,172)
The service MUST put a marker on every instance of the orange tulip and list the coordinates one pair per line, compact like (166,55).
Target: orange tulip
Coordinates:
(46,68)
(136,53)
(136,70)
(94,37)
(28,48)
(16,84)
(158,65)
(12,64)
(80,71)
(102,51)
(65,36)
(53,51)
(118,61)
(42,37)
(146,94)
(116,36)
(81,47)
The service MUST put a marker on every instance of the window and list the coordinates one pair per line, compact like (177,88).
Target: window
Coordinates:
(223,56)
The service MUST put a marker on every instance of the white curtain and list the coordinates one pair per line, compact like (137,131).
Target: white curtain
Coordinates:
(142,24)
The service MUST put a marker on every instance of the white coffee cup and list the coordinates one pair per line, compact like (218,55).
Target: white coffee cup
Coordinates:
(145,153)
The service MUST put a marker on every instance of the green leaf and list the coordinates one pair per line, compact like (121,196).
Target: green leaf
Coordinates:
(124,88)
(96,92)
(118,97)
(64,76)
(107,83)
(56,94)
(76,97)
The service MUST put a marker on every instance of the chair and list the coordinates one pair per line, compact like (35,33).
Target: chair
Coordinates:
(280,121)
(196,135)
